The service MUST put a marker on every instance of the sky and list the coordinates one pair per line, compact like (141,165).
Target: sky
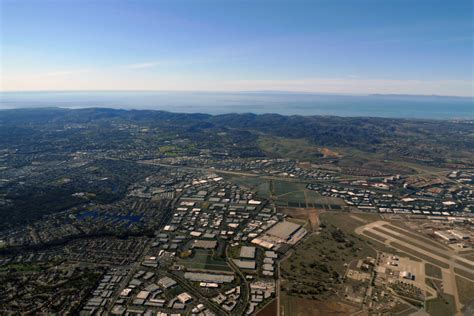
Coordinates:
(337,46)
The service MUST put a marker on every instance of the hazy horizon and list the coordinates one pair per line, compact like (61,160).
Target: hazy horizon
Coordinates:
(280,102)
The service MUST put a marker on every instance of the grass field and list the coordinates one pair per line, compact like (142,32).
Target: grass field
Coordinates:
(467,252)
(413,253)
(420,255)
(406,240)
(300,149)
(464,273)
(313,197)
(20,267)
(375,236)
(417,237)
(280,187)
(433,271)
(434,283)
(465,264)
(260,186)
(373,239)
(291,194)
(465,290)
(249,182)
(263,189)
(469,256)
(204,260)
(382,247)
(343,221)
(442,305)
(295,195)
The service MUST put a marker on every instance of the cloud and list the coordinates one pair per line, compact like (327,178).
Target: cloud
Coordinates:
(169,63)
(141,65)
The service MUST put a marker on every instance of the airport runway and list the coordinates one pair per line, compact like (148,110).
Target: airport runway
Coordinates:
(417,245)
(428,249)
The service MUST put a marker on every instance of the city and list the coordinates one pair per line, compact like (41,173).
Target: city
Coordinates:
(186,230)
(238,157)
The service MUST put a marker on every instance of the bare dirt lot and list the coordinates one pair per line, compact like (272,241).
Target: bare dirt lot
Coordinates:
(292,305)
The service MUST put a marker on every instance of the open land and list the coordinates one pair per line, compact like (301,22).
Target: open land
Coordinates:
(152,213)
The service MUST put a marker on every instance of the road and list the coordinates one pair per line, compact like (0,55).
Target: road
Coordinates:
(234,173)
(202,299)
(133,269)
(277,288)
(244,290)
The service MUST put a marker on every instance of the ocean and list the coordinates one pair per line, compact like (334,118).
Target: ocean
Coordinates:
(285,103)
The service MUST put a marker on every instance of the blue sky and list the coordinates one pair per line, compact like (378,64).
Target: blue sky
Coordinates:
(339,46)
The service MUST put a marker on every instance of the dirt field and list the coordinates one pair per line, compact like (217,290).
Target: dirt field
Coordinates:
(269,310)
(307,214)
(295,306)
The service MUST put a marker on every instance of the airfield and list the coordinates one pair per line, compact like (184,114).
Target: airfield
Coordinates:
(439,269)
